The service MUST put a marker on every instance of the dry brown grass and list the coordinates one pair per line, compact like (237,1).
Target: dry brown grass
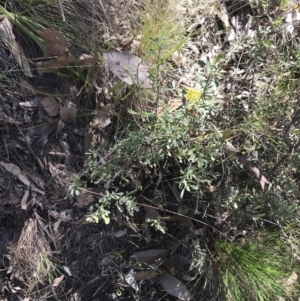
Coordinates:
(32,255)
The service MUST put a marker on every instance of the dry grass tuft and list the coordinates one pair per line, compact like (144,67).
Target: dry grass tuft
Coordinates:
(32,255)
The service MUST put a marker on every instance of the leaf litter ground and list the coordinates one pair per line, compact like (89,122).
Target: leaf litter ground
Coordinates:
(48,249)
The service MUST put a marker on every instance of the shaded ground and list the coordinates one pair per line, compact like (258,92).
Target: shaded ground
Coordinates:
(49,251)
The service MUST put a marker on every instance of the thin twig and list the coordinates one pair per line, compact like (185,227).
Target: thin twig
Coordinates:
(293,121)
(7,152)
(105,14)
(62,11)
(37,159)
(292,148)
(178,214)
(251,168)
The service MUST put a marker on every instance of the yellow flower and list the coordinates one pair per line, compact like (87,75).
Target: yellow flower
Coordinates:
(193,95)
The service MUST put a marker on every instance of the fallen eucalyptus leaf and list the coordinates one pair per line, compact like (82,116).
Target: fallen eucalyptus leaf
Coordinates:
(131,280)
(6,32)
(56,43)
(58,280)
(147,274)
(60,126)
(129,68)
(16,171)
(67,270)
(152,256)
(68,112)
(24,200)
(50,105)
(174,287)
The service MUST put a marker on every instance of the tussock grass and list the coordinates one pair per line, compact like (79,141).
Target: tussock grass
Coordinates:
(161,31)
(251,271)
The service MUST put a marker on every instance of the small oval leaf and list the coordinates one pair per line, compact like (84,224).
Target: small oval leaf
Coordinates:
(174,287)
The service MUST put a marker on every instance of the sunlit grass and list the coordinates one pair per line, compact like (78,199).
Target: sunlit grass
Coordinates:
(251,271)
